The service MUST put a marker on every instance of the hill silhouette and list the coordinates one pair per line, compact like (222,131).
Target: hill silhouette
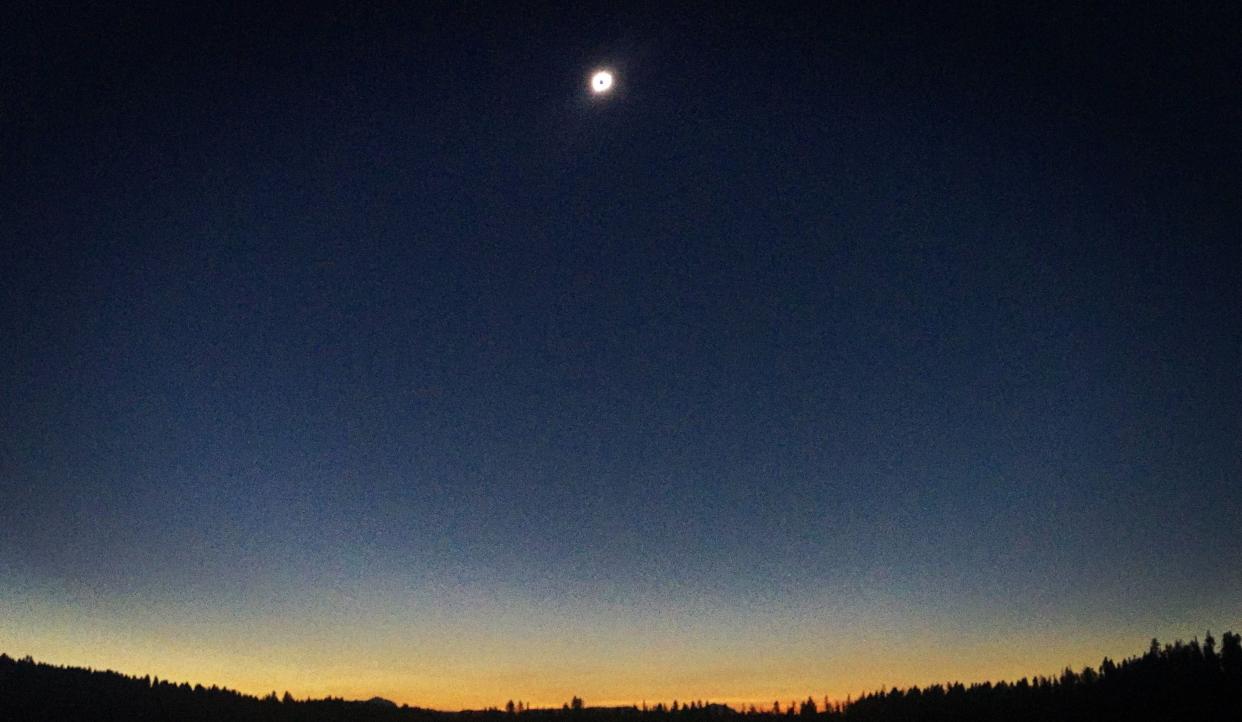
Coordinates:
(1179,681)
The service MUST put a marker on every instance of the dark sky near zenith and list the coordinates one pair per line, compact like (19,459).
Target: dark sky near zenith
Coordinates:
(901,318)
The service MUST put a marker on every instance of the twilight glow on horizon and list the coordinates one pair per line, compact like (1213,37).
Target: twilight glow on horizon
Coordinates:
(360,353)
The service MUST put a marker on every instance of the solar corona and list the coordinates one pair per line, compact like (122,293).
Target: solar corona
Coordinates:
(739,358)
(601,82)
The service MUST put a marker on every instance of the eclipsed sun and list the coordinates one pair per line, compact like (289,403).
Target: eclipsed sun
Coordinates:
(601,82)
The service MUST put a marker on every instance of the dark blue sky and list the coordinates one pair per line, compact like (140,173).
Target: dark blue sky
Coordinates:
(824,323)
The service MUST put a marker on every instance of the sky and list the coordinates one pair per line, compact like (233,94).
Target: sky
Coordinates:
(364,351)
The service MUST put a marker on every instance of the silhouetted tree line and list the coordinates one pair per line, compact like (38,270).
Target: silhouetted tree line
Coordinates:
(32,691)
(1179,681)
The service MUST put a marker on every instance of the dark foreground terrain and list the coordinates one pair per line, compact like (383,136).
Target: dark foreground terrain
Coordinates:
(1179,681)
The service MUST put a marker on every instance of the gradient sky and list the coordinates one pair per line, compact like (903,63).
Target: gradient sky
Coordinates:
(362,352)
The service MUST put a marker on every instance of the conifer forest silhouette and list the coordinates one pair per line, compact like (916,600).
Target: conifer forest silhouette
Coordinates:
(1179,681)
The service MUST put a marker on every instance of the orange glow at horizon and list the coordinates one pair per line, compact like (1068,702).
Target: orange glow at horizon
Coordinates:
(717,661)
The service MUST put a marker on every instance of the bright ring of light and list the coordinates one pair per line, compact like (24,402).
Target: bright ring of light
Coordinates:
(601,82)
